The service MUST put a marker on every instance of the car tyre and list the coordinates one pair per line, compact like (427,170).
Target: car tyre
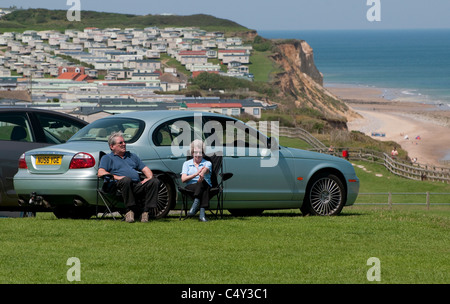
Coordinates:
(325,195)
(165,198)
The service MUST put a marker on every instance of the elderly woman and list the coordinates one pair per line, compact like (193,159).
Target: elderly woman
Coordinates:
(196,173)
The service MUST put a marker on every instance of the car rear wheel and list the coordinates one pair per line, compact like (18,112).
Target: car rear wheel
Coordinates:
(325,195)
(165,198)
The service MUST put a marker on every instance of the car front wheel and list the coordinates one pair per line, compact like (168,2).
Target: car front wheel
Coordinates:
(325,195)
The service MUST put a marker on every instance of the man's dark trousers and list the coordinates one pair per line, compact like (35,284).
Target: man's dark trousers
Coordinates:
(133,192)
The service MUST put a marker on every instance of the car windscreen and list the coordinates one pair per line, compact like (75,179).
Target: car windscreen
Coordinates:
(99,130)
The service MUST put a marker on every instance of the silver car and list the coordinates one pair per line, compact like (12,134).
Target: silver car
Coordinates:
(265,175)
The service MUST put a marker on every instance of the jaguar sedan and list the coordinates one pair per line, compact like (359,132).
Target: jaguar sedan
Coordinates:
(265,174)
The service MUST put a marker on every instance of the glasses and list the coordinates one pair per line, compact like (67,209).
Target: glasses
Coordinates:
(197,153)
(120,143)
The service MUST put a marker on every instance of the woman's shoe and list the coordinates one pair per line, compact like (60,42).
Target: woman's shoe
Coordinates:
(194,208)
(202,217)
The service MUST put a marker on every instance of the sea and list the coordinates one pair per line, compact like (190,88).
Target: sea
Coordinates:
(410,65)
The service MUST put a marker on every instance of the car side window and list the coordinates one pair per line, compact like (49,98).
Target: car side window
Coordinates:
(57,130)
(177,132)
(15,127)
(232,133)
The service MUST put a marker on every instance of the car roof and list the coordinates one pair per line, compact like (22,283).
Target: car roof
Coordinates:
(24,109)
(156,115)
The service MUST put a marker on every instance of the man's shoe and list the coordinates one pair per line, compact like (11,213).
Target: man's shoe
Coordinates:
(129,217)
(144,217)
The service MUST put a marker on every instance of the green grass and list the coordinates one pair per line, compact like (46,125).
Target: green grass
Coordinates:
(261,66)
(375,178)
(276,248)
(294,142)
(279,247)
(172,62)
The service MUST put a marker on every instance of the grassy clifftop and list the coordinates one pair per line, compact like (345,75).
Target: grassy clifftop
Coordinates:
(44,19)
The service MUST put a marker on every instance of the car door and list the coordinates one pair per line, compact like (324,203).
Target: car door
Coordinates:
(259,173)
(16,137)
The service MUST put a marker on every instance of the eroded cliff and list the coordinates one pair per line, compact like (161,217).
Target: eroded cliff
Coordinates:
(301,84)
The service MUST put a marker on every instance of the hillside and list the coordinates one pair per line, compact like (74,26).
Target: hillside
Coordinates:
(292,82)
(44,19)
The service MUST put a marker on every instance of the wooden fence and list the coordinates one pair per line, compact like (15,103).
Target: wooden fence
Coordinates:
(390,201)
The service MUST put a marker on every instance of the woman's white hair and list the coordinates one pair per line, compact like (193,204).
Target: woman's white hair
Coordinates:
(197,143)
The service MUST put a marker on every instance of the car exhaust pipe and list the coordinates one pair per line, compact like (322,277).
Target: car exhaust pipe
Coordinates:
(46,204)
(78,203)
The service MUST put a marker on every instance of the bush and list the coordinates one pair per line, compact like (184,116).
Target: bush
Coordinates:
(261,45)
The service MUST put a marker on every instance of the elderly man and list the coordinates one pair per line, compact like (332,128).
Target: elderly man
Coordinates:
(124,166)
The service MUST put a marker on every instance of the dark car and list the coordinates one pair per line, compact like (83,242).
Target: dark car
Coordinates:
(23,129)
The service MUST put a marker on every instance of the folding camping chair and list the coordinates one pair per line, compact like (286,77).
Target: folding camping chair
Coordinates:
(216,189)
(109,195)
(110,200)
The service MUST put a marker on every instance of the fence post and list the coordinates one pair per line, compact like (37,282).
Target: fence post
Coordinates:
(428,200)
(390,200)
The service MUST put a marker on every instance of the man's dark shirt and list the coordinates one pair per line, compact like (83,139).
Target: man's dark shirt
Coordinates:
(129,165)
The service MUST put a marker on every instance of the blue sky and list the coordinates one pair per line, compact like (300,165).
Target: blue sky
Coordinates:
(277,14)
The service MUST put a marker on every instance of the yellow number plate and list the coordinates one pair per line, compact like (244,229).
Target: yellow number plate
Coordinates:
(48,160)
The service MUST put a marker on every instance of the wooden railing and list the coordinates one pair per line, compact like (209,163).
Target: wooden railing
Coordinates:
(302,134)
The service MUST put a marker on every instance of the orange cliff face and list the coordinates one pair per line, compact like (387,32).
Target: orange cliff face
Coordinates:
(302,82)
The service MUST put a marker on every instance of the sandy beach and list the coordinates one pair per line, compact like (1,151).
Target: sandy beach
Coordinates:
(419,128)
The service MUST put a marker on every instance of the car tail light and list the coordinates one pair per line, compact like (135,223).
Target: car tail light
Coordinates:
(82,160)
(22,162)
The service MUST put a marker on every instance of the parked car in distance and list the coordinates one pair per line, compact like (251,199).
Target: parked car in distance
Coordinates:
(23,129)
(265,175)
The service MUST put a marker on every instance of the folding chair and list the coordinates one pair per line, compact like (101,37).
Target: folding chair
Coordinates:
(216,189)
(109,195)
(110,200)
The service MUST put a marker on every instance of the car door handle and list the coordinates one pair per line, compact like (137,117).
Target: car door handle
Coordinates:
(173,157)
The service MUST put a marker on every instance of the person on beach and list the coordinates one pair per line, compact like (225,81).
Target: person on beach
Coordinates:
(394,153)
